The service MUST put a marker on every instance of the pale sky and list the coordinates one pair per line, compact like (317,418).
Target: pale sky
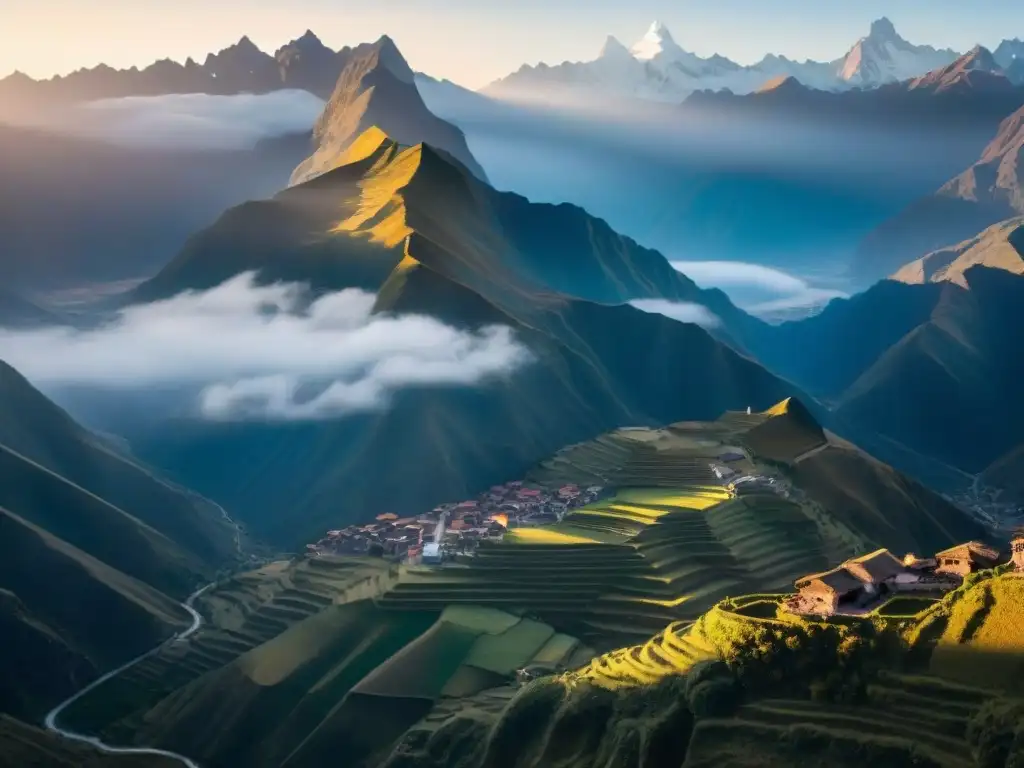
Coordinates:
(474,42)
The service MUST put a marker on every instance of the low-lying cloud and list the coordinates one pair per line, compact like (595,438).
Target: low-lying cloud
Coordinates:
(197,120)
(756,288)
(683,311)
(259,352)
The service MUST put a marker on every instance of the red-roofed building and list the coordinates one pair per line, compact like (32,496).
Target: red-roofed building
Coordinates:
(467,505)
(529,493)
(457,525)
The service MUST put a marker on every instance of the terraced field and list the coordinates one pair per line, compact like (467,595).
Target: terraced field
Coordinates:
(625,567)
(672,651)
(677,455)
(243,613)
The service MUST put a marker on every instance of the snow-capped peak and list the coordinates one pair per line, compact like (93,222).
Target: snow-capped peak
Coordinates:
(657,41)
(883,56)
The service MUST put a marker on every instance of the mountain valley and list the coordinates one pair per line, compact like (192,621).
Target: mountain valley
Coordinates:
(444,434)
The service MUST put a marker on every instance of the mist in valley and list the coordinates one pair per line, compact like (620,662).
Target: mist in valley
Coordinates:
(792,189)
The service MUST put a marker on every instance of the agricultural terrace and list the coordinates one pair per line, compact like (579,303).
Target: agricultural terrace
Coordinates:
(623,568)
(243,613)
(669,544)
(470,649)
(854,692)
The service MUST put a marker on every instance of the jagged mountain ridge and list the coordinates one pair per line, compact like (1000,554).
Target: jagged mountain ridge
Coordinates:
(881,56)
(304,63)
(377,88)
(657,68)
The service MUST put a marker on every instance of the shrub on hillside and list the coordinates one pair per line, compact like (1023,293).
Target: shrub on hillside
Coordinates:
(714,698)
(524,722)
(703,671)
(996,734)
(826,660)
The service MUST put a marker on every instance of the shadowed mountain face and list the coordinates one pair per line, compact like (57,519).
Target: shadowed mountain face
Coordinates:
(377,88)
(989,191)
(428,237)
(95,550)
(932,367)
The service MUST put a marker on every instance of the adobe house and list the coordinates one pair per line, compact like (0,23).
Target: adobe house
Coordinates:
(826,592)
(856,580)
(877,570)
(965,559)
(1017,551)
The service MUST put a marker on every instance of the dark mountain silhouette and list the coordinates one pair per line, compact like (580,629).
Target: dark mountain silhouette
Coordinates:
(378,88)
(95,551)
(304,63)
(423,232)
(930,367)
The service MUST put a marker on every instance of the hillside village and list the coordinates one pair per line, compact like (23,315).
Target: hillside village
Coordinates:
(456,528)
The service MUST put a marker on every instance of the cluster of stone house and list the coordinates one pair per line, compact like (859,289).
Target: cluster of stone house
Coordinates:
(858,584)
(466,523)
(389,536)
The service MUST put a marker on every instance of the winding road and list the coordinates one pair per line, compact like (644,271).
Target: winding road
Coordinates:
(54,714)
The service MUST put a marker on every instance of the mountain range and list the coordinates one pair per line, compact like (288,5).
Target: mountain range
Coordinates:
(308,658)
(657,68)
(987,192)
(923,365)
(146,201)
(304,63)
